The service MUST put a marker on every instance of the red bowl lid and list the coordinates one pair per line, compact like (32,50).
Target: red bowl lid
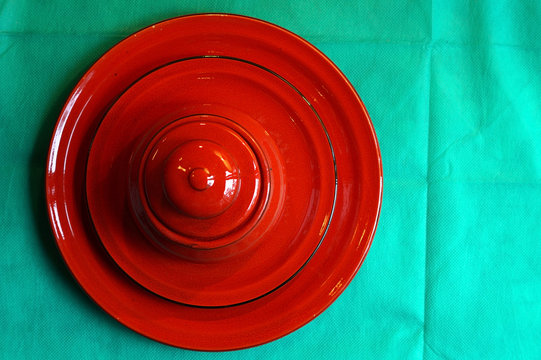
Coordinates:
(214,182)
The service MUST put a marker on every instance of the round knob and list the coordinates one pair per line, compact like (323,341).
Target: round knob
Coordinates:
(200,179)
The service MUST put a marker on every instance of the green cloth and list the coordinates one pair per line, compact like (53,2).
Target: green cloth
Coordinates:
(454,90)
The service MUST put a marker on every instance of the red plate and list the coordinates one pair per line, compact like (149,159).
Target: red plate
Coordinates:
(214,182)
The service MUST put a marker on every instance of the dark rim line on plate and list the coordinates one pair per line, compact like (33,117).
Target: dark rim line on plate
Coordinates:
(303,98)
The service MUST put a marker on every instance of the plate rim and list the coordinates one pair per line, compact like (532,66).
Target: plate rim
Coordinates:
(49,180)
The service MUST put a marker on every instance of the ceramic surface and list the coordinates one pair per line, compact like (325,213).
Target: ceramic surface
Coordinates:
(214,182)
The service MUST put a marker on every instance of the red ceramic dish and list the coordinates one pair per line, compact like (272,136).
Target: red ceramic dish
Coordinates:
(214,182)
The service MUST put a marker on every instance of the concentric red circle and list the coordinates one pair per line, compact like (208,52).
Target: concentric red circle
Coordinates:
(201,215)
(290,220)
(315,210)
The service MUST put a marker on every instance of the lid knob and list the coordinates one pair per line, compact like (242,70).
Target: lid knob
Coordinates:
(200,179)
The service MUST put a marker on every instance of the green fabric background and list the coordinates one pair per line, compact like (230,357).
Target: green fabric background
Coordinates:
(454,91)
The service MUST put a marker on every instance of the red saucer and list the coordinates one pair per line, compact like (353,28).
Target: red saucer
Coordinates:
(214,182)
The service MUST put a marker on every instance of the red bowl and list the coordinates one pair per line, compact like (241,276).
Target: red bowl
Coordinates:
(214,182)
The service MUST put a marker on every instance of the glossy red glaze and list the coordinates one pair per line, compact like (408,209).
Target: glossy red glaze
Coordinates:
(166,178)
(218,161)
(200,179)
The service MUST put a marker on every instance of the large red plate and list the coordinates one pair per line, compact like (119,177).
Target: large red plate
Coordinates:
(277,286)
